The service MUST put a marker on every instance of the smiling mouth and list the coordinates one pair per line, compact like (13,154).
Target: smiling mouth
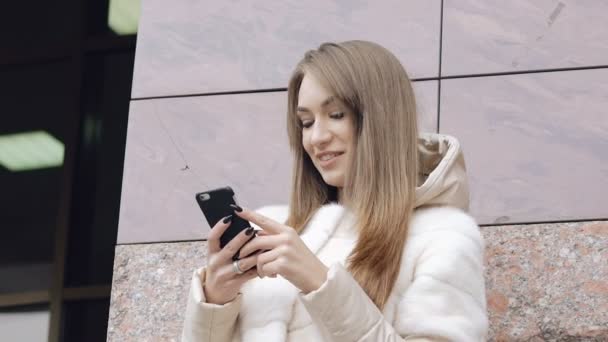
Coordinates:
(328,159)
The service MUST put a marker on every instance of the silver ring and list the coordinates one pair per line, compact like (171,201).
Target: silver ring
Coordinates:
(236,268)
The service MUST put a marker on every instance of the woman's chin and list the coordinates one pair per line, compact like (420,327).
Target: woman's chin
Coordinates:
(333,181)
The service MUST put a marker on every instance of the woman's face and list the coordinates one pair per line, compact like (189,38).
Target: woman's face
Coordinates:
(328,130)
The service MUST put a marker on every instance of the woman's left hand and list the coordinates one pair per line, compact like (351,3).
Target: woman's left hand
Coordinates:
(284,253)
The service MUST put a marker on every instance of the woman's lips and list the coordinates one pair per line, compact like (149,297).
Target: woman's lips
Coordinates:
(328,163)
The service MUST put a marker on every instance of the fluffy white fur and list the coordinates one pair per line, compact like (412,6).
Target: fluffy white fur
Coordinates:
(439,292)
(267,304)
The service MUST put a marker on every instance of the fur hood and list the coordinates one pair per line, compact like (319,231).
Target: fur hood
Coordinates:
(442,173)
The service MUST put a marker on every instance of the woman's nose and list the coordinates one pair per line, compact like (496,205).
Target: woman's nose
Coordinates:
(320,134)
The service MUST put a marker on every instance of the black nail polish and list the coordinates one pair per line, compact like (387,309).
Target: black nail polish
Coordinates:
(249,231)
(236,207)
(227,219)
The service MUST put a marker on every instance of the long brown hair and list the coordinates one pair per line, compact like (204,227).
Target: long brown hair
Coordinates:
(380,182)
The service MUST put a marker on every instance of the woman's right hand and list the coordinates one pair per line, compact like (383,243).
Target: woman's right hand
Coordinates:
(222,283)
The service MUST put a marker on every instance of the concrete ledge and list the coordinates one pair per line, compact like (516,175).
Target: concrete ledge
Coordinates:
(544,282)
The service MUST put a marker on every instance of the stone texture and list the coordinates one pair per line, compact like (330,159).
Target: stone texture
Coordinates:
(548,282)
(535,144)
(177,147)
(498,36)
(545,282)
(150,289)
(186,47)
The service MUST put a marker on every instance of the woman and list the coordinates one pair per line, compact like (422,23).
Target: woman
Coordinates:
(375,244)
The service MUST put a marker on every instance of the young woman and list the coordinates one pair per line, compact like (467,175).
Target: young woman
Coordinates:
(375,244)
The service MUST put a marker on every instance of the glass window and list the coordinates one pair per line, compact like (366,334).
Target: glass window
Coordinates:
(37,106)
(98,174)
(113,17)
(41,30)
(85,320)
(26,323)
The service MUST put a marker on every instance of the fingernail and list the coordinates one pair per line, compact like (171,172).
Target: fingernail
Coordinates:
(236,207)
(227,219)
(249,231)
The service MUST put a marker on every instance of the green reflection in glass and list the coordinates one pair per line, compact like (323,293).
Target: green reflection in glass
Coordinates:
(30,151)
(123,16)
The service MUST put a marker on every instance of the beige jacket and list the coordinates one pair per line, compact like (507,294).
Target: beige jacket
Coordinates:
(439,294)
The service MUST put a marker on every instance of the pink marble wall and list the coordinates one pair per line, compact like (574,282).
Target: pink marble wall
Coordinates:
(495,36)
(190,47)
(515,130)
(179,146)
(536,145)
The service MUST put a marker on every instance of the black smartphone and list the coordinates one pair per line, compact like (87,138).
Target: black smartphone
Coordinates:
(215,205)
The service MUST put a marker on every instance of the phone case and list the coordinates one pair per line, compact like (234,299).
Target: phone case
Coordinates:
(215,205)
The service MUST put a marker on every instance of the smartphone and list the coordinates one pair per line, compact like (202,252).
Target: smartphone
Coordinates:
(215,205)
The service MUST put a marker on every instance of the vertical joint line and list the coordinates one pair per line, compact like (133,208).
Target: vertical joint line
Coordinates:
(439,78)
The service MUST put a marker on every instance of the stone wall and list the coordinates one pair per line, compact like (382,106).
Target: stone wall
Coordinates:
(522,85)
(544,282)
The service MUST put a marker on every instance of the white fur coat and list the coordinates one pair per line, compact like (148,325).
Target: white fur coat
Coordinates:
(439,294)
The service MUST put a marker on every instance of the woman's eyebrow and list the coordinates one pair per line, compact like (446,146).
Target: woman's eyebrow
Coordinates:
(325,103)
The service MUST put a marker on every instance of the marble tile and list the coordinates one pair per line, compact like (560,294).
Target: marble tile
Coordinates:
(543,283)
(426,101)
(150,290)
(192,47)
(535,144)
(496,36)
(177,147)
(547,282)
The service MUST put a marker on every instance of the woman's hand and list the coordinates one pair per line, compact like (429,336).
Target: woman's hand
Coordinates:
(284,253)
(222,282)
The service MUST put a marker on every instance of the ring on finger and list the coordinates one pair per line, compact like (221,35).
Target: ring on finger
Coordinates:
(236,268)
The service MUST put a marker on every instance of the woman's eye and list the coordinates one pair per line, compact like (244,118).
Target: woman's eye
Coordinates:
(306,124)
(338,115)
